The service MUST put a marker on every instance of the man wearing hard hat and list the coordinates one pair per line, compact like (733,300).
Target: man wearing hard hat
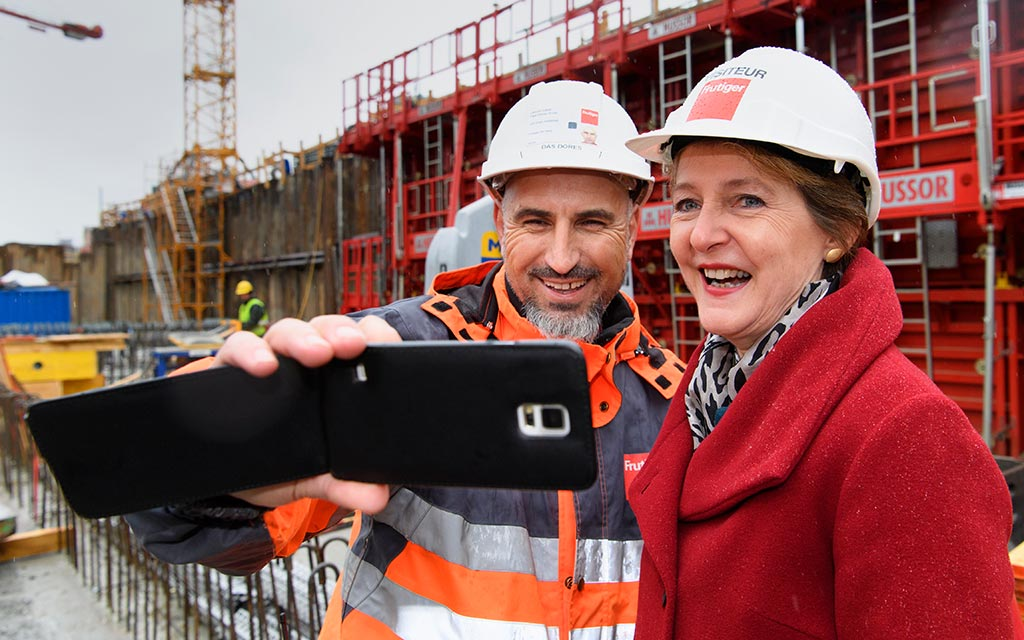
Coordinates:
(473,563)
(252,313)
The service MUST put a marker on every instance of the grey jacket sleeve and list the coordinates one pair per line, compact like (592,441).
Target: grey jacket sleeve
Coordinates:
(408,319)
(233,546)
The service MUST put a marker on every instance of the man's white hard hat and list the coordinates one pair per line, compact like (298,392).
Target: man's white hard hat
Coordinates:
(565,124)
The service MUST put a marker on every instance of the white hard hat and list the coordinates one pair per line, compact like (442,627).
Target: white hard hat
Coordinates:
(777,96)
(566,125)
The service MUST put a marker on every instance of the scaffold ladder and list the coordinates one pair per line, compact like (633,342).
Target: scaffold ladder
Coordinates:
(161,274)
(433,152)
(675,76)
(179,217)
(675,283)
(905,43)
(919,260)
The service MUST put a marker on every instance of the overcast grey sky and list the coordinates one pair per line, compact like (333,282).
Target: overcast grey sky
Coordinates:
(87,123)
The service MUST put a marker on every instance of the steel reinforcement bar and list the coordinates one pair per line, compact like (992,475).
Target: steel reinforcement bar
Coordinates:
(152,599)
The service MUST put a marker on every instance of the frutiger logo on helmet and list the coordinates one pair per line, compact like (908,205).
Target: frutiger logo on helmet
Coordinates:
(718,99)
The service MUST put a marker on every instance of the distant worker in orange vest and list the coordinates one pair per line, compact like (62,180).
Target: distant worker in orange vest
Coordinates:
(252,313)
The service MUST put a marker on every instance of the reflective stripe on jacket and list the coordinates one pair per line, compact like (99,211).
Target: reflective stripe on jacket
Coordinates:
(491,563)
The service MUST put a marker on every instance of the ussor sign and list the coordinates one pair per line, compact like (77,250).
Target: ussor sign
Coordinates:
(915,189)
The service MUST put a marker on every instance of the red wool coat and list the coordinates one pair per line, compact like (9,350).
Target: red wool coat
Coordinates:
(842,495)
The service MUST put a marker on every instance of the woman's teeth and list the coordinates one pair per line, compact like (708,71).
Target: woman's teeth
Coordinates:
(727,278)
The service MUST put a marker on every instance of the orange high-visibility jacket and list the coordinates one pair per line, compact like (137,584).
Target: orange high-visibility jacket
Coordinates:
(480,563)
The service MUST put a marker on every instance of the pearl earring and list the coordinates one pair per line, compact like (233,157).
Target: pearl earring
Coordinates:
(833,255)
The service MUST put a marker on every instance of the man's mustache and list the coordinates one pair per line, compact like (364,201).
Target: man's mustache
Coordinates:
(577,272)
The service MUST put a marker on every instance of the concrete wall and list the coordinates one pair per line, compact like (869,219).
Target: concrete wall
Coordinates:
(282,236)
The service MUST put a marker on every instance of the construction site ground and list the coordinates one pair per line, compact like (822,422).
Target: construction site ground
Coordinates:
(43,598)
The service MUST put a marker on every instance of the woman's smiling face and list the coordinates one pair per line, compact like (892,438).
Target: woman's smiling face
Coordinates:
(744,240)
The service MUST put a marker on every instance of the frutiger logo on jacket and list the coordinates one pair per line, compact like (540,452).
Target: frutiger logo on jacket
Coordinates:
(632,463)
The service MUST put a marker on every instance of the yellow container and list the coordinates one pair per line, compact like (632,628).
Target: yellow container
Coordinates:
(53,365)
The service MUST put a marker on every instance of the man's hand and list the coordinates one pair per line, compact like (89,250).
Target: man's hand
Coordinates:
(370,498)
(313,344)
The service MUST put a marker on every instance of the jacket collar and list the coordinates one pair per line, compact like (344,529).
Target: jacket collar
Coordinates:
(483,299)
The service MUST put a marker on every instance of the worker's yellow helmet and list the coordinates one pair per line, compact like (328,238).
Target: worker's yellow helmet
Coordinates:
(243,288)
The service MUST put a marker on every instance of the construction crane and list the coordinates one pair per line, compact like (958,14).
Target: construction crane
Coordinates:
(184,235)
(70,29)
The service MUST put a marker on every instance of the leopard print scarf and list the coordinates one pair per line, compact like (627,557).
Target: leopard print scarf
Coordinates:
(721,374)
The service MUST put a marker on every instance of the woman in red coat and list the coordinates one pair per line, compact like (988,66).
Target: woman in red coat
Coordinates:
(811,482)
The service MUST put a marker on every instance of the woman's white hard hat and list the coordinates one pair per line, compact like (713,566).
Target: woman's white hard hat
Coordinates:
(566,124)
(779,96)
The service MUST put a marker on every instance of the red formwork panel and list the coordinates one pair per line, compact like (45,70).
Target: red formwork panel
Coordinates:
(651,289)
(361,272)
(958,352)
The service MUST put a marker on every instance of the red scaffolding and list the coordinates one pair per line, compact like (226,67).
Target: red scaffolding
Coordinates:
(425,118)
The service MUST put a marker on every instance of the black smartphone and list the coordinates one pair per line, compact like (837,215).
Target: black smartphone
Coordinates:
(484,414)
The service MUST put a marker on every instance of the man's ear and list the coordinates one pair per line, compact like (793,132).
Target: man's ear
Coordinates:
(634,227)
(499,223)
(498,199)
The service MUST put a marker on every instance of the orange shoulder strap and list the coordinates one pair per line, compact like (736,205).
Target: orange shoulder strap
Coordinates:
(660,367)
(443,307)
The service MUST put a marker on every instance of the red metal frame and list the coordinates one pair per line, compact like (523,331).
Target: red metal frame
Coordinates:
(472,75)
(361,273)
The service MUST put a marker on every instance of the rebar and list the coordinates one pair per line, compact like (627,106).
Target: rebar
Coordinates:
(150,599)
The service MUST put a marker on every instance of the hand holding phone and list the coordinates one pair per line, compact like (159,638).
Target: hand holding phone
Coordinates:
(490,414)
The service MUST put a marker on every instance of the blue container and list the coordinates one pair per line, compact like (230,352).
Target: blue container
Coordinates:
(34,305)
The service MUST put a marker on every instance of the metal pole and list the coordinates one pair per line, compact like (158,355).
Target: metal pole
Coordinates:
(380,282)
(983,136)
(398,281)
(983,108)
(800,46)
(339,203)
(990,332)
(488,128)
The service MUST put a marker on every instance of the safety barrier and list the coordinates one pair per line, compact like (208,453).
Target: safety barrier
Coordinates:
(152,599)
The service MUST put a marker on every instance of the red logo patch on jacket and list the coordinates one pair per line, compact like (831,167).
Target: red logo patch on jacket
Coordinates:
(632,463)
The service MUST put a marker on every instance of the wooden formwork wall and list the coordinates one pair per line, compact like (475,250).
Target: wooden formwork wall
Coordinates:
(93,275)
(56,263)
(46,260)
(122,251)
(283,237)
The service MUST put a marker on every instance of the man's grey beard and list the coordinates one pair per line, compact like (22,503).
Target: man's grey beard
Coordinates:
(568,324)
